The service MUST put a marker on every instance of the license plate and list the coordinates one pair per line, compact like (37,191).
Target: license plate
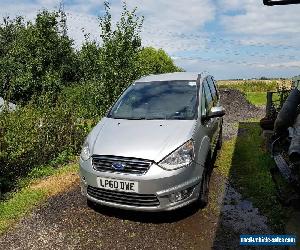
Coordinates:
(118,185)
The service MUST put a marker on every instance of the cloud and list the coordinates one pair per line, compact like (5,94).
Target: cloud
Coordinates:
(256,19)
(168,24)
(230,5)
(222,70)
(79,24)
(291,64)
(79,15)
(228,37)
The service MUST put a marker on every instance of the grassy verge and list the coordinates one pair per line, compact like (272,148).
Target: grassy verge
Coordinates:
(36,188)
(247,164)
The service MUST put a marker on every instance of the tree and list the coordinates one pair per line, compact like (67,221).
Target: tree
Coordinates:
(36,57)
(119,53)
(90,61)
(156,61)
(9,64)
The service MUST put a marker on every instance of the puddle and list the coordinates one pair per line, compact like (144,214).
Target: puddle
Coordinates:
(241,215)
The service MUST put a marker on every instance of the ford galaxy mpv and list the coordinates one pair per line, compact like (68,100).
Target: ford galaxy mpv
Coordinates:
(153,150)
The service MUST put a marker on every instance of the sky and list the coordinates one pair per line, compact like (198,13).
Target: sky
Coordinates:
(228,38)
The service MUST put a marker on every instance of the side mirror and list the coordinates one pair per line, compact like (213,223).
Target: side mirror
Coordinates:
(216,112)
(280,2)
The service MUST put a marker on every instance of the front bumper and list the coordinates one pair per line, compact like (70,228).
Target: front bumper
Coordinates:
(157,181)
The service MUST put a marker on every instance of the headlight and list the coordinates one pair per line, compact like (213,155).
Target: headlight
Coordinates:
(179,158)
(85,152)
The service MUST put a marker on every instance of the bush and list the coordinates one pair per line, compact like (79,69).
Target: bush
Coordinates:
(87,99)
(89,57)
(33,136)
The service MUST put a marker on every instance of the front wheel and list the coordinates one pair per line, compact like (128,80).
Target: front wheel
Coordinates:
(91,204)
(204,189)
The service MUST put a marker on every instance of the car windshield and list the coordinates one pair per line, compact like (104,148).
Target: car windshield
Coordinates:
(168,100)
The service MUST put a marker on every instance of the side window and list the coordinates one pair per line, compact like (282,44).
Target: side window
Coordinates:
(212,89)
(203,103)
(206,99)
(215,84)
(208,95)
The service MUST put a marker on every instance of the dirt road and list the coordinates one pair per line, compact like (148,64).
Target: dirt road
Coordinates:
(66,222)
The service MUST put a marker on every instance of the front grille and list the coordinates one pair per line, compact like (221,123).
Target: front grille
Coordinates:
(123,198)
(132,165)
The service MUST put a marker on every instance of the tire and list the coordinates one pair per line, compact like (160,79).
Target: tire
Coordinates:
(204,189)
(91,204)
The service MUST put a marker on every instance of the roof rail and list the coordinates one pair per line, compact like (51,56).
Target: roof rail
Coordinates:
(204,73)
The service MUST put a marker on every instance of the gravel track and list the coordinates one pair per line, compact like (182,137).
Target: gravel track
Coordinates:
(237,109)
(66,222)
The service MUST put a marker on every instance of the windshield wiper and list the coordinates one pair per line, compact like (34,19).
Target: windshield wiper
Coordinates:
(130,118)
(137,118)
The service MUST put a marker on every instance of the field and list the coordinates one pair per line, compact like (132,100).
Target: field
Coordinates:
(261,83)
(255,90)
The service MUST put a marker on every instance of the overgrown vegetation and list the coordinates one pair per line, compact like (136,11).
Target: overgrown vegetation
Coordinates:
(33,136)
(245,161)
(61,92)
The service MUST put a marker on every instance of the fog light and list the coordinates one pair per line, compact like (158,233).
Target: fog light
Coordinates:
(83,181)
(181,195)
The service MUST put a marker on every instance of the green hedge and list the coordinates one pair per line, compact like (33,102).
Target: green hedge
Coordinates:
(35,135)
(87,99)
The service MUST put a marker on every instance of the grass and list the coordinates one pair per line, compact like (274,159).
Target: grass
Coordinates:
(255,90)
(247,164)
(255,85)
(249,86)
(257,98)
(260,98)
(39,185)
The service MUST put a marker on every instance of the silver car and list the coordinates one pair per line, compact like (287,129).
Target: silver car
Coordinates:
(153,151)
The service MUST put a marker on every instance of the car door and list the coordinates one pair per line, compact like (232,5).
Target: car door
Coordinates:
(217,120)
(217,103)
(207,102)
